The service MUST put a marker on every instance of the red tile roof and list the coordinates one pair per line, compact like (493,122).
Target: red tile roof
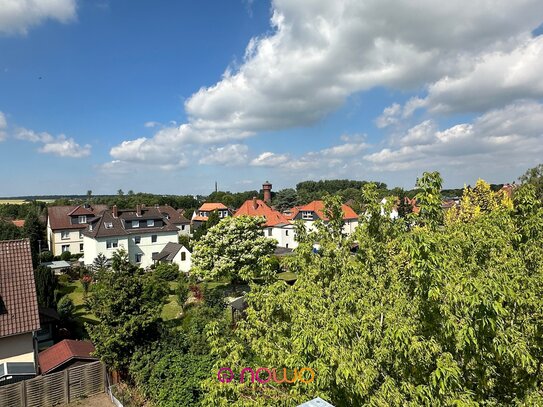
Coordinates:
(17,289)
(318,208)
(59,216)
(257,207)
(18,222)
(211,206)
(63,352)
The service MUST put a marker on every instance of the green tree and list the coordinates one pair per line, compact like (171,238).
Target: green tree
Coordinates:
(429,199)
(235,249)
(8,231)
(534,176)
(430,316)
(285,199)
(66,256)
(46,284)
(167,271)
(46,256)
(128,303)
(66,309)
(211,221)
(35,232)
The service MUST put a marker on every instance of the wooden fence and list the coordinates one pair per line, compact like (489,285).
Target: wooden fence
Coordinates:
(56,388)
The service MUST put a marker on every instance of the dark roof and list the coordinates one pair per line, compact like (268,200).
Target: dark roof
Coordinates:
(59,216)
(48,315)
(148,213)
(174,216)
(17,289)
(169,251)
(63,352)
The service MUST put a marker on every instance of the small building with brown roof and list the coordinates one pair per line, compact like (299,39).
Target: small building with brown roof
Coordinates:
(142,232)
(19,318)
(276,225)
(65,354)
(315,210)
(174,253)
(65,225)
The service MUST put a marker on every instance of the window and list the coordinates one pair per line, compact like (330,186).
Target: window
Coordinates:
(112,244)
(65,234)
(65,248)
(138,257)
(183,256)
(80,247)
(135,223)
(182,227)
(150,223)
(307,215)
(81,234)
(286,232)
(286,245)
(153,238)
(269,231)
(82,219)
(137,239)
(108,225)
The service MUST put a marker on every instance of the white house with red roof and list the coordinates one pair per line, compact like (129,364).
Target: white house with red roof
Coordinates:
(315,210)
(276,226)
(202,214)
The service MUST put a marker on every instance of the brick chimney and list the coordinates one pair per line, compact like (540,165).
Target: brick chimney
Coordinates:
(255,205)
(266,187)
(138,210)
(114,211)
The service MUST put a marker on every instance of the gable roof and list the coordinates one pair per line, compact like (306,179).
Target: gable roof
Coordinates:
(18,222)
(257,207)
(211,206)
(318,208)
(174,216)
(117,223)
(63,352)
(17,289)
(59,216)
(169,252)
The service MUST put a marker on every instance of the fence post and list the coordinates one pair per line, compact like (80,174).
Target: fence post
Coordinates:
(67,385)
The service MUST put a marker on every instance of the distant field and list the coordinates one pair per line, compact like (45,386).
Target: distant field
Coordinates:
(21,201)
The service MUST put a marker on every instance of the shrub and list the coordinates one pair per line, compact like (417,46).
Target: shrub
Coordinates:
(66,256)
(167,272)
(46,256)
(66,308)
(63,279)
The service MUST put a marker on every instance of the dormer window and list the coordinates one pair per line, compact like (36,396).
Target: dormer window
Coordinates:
(108,225)
(135,223)
(307,215)
(3,309)
(82,219)
(150,223)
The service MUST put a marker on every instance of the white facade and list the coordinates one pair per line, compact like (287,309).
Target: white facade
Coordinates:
(284,235)
(349,226)
(184,230)
(140,248)
(59,241)
(393,212)
(17,348)
(183,259)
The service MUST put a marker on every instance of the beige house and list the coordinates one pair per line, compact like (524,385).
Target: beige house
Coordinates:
(65,226)
(19,317)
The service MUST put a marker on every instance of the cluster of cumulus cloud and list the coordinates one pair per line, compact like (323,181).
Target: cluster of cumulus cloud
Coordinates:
(475,57)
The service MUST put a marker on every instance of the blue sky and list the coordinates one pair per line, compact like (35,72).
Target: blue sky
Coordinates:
(169,97)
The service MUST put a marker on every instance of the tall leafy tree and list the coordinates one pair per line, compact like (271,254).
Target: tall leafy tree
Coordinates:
(128,303)
(34,230)
(235,248)
(534,176)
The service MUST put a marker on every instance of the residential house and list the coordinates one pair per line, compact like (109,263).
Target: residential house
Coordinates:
(276,225)
(19,318)
(65,226)
(176,218)
(65,354)
(141,232)
(202,214)
(174,253)
(315,210)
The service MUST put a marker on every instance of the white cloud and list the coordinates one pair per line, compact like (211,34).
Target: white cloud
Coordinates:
(498,138)
(3,127)
(232,154)
(59,145)
(17,16)
(389,116)
(322,51)
(269,159)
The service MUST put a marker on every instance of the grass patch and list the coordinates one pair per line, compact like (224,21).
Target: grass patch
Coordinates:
(171,309)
